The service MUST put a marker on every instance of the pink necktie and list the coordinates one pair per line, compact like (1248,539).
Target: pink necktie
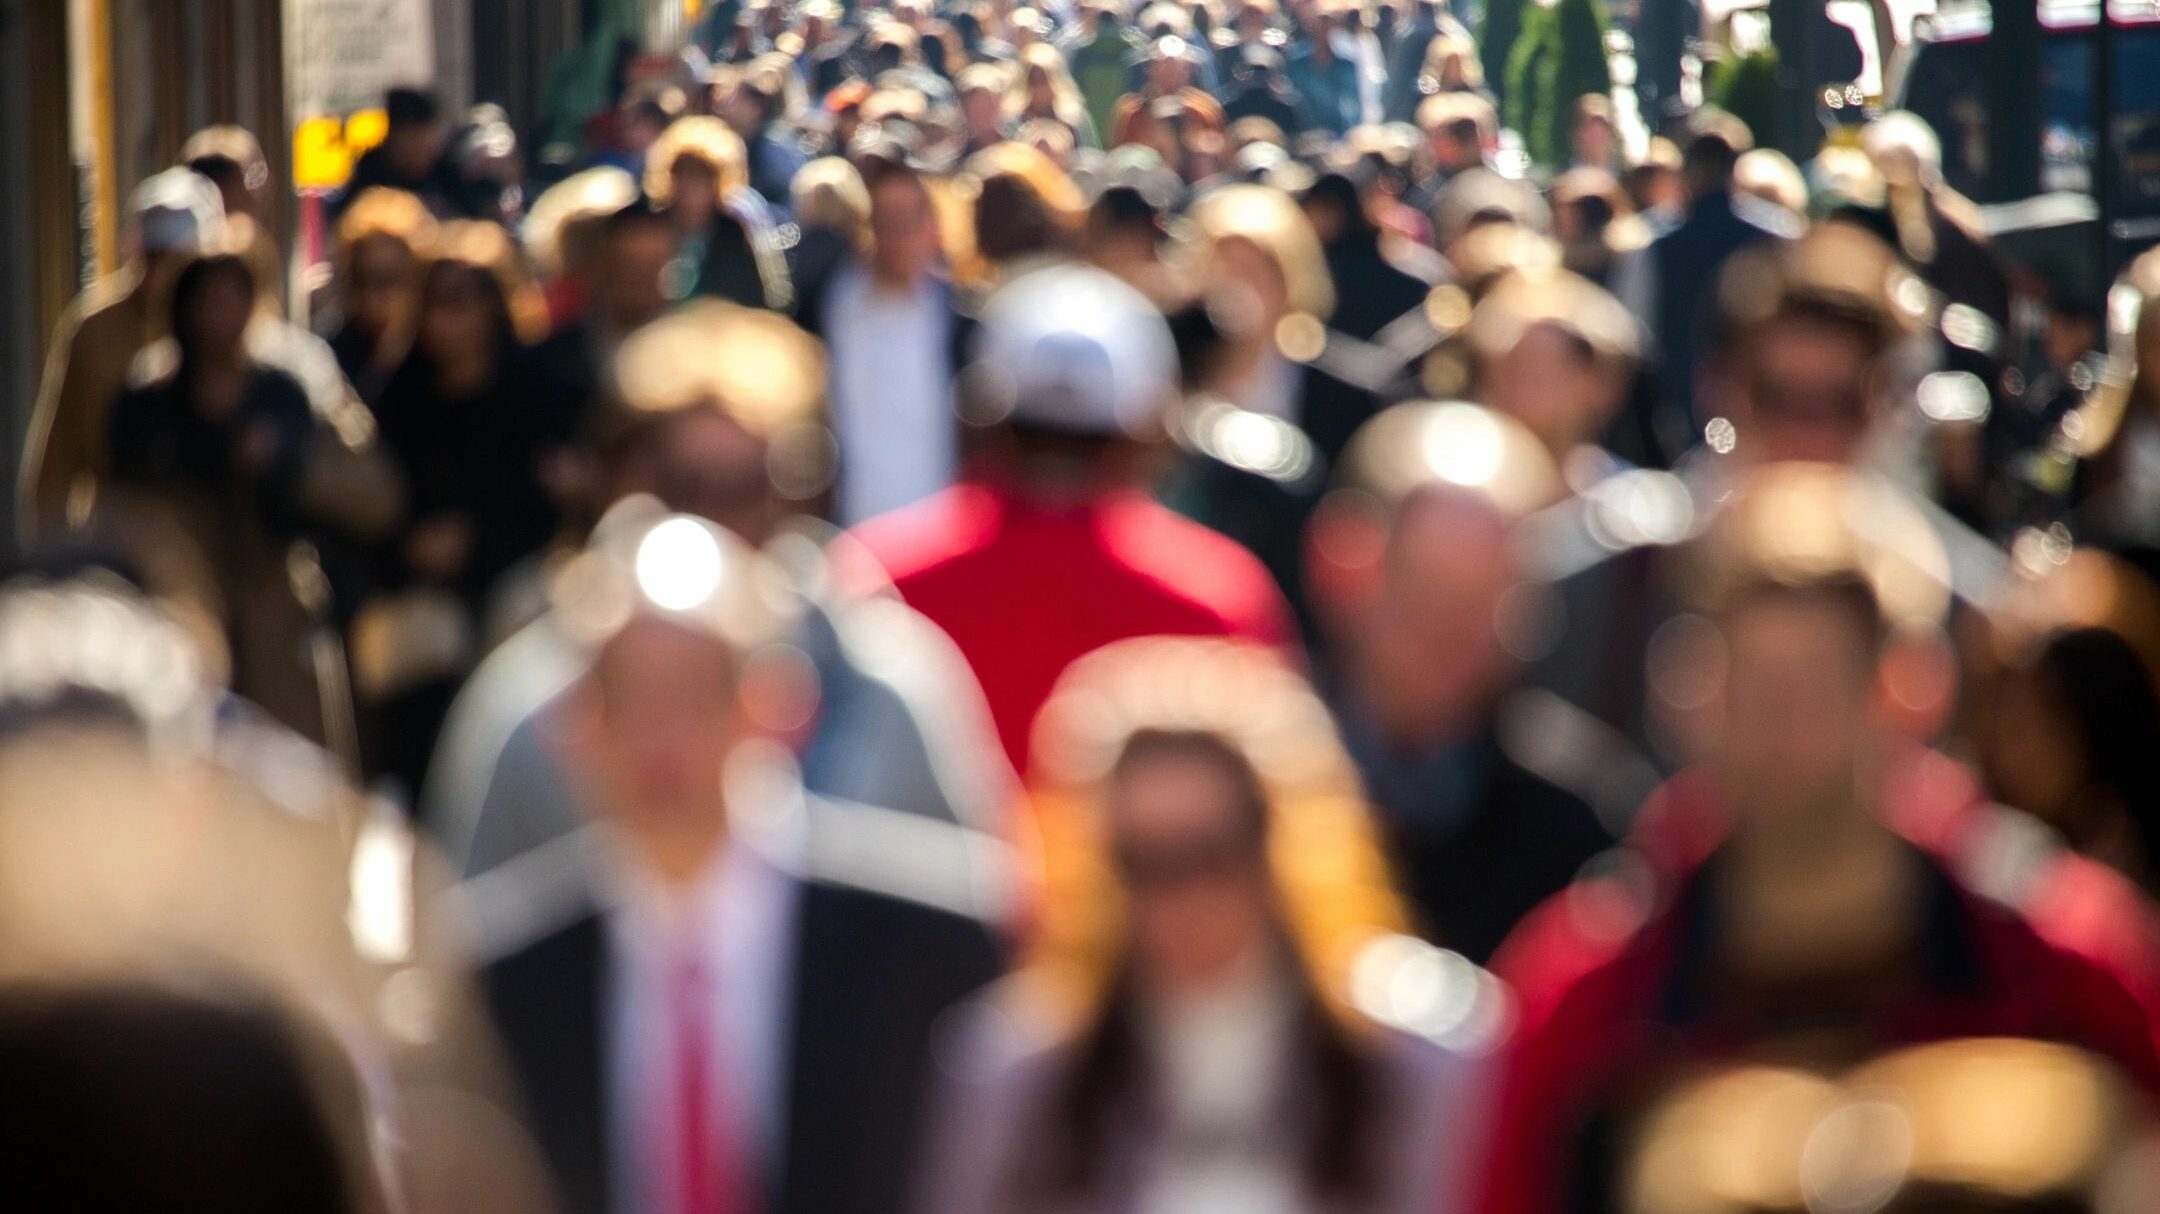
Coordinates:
(707,1182)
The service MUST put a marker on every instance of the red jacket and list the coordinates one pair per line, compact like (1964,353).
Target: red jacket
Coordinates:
(1023,591)
(1604,991)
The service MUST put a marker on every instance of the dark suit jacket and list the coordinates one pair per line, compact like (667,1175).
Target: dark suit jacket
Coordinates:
(872,975)
(1508,838)
(1687,261)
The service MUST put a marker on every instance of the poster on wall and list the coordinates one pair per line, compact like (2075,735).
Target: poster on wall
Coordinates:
(340,55)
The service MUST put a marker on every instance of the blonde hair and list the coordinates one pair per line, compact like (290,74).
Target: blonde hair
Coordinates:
(1770,175)
(829,193)
(382,213)
(562,228)
(486,246)
(1271,222)
(1324,856)
(753,365)
(705,139)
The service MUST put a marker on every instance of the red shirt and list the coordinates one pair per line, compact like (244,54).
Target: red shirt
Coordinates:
(1603,991)
(1024,590)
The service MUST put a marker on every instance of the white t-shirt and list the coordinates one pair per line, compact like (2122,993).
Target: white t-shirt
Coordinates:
(892,393)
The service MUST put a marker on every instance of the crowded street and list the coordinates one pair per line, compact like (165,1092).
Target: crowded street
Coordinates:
(1120,607)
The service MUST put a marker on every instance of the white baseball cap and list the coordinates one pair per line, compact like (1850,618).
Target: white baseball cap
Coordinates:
(1074,348)
(176,209)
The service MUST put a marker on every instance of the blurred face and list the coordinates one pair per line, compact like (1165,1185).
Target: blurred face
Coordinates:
(742,109)
(904,230)
(665,714)
(703,463)
(1246,269)
(1449,153)
(1431,637)
(219,318)
(696,190)
(1665,191)
(1041,97)
(1193,870)
(415,147)
(1168,74)
(1798,713)
(1807,393)
(630,273)
(376,292)
(1251,23)
(1551,382)
(1593,141)
(457,317)
(982,109)
(2034,759)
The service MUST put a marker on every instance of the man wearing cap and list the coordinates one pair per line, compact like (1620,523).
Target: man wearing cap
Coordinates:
(171,214)
(1810,927)
(1052,549)
(720,996)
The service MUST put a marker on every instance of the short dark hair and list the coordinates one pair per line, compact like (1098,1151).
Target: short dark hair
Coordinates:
(410,106)
(196,277)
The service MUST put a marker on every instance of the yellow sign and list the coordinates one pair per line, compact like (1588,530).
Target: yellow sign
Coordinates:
(325,148)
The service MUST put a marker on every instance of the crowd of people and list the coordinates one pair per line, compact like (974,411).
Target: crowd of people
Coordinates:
(977,610)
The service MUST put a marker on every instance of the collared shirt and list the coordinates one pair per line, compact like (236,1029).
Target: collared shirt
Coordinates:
(891,393)
(741,917)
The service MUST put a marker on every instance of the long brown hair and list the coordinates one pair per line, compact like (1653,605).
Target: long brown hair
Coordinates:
(1241,706)
(1336,1070)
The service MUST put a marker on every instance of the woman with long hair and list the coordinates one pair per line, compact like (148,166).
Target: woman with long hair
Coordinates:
(467,423)
(1205,1025)
(381,241)
(1043,89)
(459,420)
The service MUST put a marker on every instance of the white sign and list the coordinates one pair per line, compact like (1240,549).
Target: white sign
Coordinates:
(340,55)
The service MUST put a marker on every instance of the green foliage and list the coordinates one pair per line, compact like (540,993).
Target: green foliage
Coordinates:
(1746,87)
(1497,32)
(1559,57)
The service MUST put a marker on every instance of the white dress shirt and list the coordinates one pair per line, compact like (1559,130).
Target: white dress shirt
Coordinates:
(742,913)
(892,393)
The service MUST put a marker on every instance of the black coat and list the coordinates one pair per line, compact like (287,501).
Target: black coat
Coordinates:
(1516,839)
(1687,262)
(872,977)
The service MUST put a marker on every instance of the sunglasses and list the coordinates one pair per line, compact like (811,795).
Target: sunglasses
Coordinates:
(1165,868)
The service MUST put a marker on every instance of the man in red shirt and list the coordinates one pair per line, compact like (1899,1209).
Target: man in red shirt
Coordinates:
(1051,548)
(1809,926)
